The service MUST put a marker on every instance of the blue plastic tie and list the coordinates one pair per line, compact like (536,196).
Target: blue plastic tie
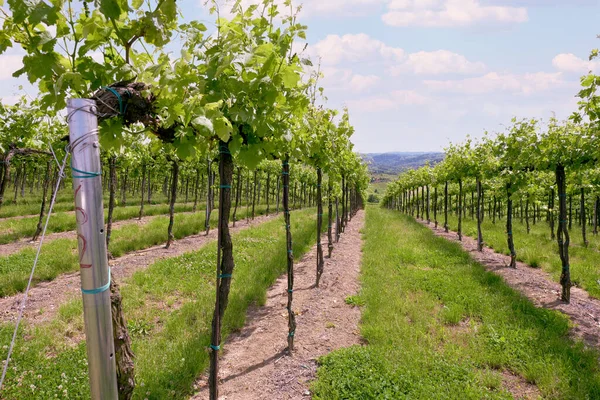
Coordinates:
(292,334)
(84,174)
(101,289)
(225,276)
(224,150)
(290,251)
(225,186)
(290,290)
(215,348)
(113,91)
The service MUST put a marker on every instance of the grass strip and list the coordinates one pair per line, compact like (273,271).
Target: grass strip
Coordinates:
(537,249)
(439,326)
(60,256)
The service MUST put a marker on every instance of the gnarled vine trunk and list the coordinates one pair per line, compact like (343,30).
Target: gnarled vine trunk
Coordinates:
(563,235)
(112,184)
(583,218)
(123,352)
(320,260)
(171,238)
(225,264)
(479,215)
(143,191)
(290,254)
(509,233)
(238,194)
(446,207)
(38,229)
(460,207)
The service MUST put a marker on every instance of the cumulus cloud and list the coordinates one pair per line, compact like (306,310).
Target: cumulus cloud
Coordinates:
(335,49)
(346,79)
(361,48)
(436,63)
(309,8)
(500,82)
(569,62)
(450,13)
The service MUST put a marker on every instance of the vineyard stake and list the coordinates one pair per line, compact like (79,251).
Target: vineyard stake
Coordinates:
(93,260)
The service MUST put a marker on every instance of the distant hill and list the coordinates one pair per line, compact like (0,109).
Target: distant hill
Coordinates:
(394,163)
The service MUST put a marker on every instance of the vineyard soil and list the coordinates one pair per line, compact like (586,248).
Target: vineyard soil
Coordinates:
(255,364)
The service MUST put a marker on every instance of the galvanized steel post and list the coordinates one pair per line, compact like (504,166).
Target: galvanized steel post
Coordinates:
(93,260)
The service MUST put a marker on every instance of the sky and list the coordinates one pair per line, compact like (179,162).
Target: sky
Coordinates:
(418,74)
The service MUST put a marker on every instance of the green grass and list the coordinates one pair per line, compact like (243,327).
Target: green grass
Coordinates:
(60,256)
(14,229)
(438,326)
(538,250)
(30,204)
(169,308)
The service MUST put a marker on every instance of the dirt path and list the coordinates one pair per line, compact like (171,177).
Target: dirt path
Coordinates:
(538,286)
(46,297)
(255,364)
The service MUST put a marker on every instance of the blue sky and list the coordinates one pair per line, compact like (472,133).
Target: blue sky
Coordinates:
(417,74)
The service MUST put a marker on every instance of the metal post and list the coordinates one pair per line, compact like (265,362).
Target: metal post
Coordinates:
(93,261)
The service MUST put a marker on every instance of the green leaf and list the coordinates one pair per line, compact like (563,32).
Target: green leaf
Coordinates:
(202,122)
(586,81)
(290,78)
(110,8)
(223,128)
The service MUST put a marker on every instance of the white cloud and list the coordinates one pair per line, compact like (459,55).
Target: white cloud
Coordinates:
(341,7)
(345,79)
(500,82)
(392,101)
(571,63)
(329,8)
(436,63)
(450,13)
(335,49)
(10,100)
(360,83)
(9,64)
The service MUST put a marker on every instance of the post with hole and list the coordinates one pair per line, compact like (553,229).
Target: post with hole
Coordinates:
(93,260)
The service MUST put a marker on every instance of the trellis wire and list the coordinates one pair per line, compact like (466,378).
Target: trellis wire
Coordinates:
(61,175)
